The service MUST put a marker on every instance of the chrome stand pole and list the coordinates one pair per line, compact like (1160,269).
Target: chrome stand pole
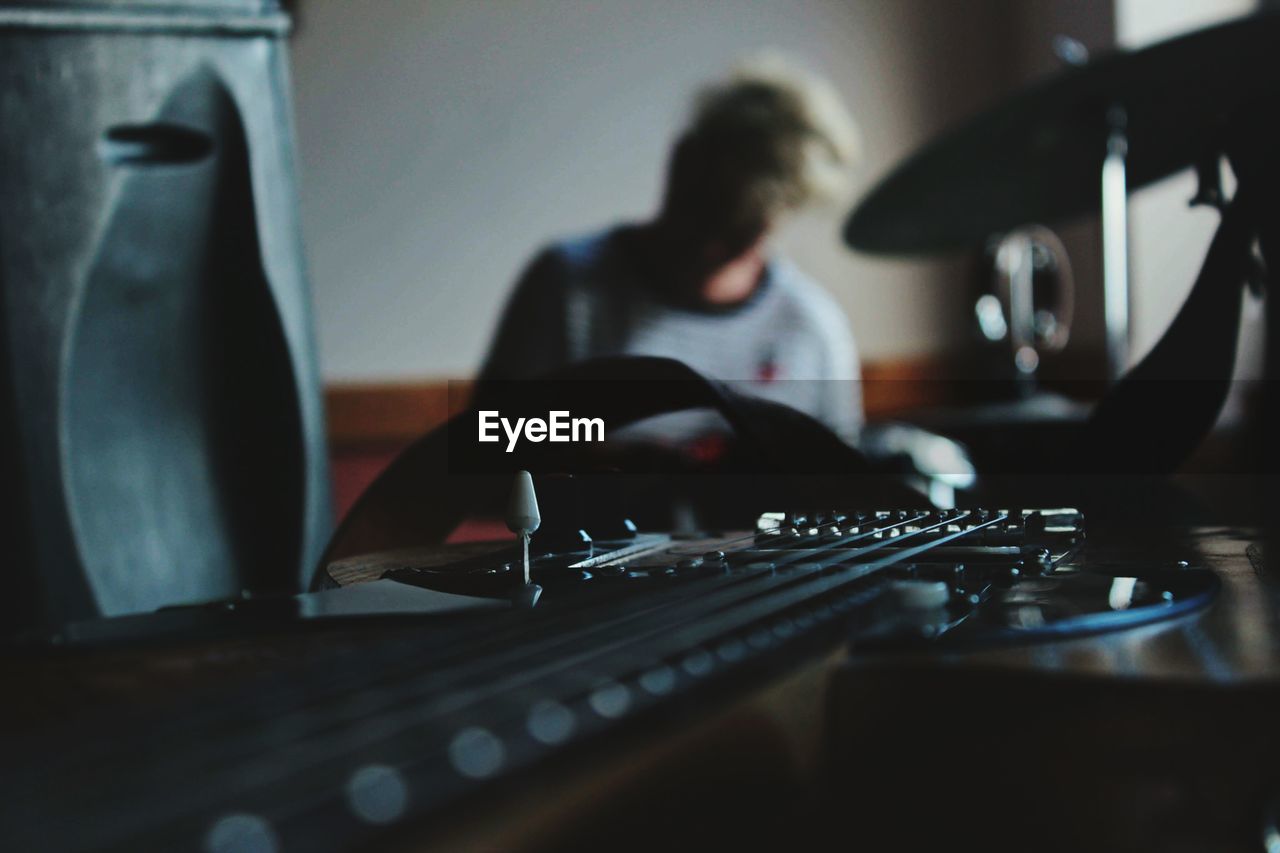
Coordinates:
(1115,246)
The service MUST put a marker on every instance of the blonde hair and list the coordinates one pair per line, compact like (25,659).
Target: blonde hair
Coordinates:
(774,136)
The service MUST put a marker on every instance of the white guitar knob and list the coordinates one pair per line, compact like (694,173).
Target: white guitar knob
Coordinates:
(523,517)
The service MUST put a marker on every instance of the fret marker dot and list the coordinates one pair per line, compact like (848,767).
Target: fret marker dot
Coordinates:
(241,833)
(476,753)
(731,651)
(698,663)
(658,681)
(377,793)
(610,701)
(550,722)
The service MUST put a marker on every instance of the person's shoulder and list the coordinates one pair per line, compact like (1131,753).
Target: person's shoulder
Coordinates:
(816,312)
(558,267)
(804,296)
(581,252)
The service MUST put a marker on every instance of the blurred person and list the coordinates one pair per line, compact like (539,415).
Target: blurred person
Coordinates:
(701,282)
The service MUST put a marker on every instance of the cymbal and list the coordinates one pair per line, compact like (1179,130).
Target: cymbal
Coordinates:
(1037,157)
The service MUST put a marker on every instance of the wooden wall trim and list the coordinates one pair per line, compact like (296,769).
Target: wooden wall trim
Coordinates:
(395,413)
(390,413)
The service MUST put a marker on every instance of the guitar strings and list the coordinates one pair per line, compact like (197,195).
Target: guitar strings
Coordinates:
(716,600)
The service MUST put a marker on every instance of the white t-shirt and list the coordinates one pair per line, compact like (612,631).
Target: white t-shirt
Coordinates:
(588,297)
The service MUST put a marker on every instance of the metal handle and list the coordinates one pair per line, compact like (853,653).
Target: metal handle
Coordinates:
(1014,308)
(156,143)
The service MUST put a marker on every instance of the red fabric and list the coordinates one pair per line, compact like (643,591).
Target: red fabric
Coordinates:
(480,530)
(354,471)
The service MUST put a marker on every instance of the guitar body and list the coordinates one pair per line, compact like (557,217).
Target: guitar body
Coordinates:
(1162,737)
(802,692)
(1159,736)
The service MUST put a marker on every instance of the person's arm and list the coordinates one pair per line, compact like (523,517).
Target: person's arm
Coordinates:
(839,405)
(843,398)
(531,338)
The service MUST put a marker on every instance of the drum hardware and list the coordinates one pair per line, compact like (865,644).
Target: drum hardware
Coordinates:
(1026,264)
(1210,193)
(1115,243)
(1074,144)
(1070,52)
(1139,116)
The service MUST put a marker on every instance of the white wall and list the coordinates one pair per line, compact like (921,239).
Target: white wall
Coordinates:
(1168,239)
(441,142)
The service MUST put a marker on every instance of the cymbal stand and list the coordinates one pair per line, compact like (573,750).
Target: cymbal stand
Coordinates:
(1115,244)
